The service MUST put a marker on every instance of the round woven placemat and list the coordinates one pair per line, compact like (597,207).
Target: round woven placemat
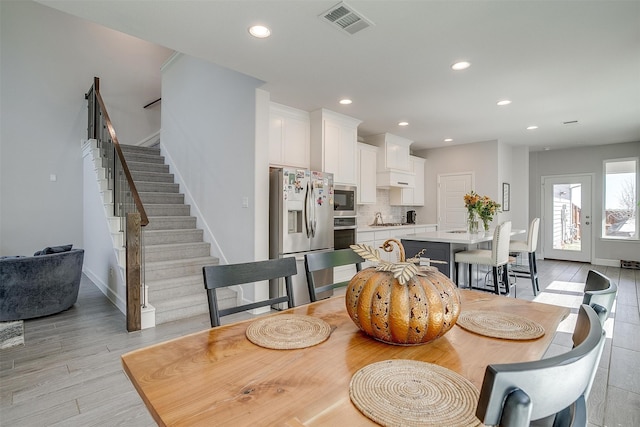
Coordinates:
(499,325)
(413,393)
(288,331)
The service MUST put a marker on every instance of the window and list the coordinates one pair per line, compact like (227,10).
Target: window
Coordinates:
(620,216)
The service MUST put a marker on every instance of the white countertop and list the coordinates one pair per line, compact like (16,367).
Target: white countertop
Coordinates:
(453,236)
(392,227)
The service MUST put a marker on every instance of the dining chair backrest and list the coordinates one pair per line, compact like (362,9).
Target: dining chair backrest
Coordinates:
(532,236)
(600,290)
(500,244)
(517,393)
(318,261)
(221,276)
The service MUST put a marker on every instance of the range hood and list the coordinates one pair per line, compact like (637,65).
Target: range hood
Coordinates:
(395,178)
(394,168)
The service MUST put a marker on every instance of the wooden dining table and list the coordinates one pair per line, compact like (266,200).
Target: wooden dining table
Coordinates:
(218,377)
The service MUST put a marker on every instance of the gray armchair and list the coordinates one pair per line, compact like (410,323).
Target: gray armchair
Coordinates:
(40,285)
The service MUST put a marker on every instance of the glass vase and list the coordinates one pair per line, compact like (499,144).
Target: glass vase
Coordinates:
(473,223)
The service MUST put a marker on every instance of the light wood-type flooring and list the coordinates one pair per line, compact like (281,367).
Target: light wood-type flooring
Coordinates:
(69,373)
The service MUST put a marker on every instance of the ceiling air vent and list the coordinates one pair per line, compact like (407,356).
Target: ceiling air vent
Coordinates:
(345,18)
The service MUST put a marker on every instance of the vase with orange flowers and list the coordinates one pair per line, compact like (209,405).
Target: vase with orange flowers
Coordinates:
(472,201)
(479,208)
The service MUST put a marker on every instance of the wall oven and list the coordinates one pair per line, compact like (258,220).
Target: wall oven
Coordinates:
(344,200)
(344,232)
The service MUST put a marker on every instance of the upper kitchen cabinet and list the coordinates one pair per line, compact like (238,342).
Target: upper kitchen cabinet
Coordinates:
(410,196)
(289,136)
(367,158)
(394,167)
(334,139)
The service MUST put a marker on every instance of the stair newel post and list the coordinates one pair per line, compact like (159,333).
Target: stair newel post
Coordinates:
(134,282)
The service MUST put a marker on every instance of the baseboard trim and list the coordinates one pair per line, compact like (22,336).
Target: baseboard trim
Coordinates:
(104,288)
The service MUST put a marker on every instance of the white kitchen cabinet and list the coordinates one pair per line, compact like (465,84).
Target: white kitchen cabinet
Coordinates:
(393,164)
(334,145)
(410,196)
(366,170)
(394,153)
(289,136)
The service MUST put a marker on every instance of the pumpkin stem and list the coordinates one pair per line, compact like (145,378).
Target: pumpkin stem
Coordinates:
(387,247)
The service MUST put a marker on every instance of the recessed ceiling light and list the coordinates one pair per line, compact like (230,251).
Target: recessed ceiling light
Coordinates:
(462,65)
(448,140)
(345,101)
(532,127)
(259,31)
(503,102)
(403,123)
(547,148)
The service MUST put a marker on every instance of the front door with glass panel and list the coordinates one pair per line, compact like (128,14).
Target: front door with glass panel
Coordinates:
(566,221)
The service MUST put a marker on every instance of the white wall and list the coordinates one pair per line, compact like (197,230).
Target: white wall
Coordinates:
(101,266)
(47,62)
(209,132)
(521,214)
(482,158)
(585,160)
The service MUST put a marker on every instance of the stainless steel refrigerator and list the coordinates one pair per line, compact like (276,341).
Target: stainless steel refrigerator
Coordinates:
(300,221)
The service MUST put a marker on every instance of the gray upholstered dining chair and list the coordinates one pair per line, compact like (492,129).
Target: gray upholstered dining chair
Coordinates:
(529,247)
(600,290)
(318,261)
(552,390)
(221,276)
(496,257)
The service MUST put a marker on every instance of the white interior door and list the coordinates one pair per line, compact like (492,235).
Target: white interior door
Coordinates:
(566,221)
(451,190)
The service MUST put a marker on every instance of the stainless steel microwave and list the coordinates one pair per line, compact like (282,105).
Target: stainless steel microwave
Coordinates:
(344,200)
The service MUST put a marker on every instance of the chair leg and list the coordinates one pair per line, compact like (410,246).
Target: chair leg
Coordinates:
(496,285)
(505,279)
(456,274)
(470,275)
(533,272)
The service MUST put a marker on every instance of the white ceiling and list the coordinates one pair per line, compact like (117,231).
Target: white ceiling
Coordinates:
(557,61)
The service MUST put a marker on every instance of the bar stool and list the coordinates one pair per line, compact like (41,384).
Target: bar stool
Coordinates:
(529,246)
(497,256)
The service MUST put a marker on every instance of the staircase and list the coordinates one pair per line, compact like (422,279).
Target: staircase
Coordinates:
(174,248)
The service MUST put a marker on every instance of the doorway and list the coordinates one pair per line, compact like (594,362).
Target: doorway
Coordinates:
(451,190)
(566,217)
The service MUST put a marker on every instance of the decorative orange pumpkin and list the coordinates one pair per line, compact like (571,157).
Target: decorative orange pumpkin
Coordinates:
(401,303)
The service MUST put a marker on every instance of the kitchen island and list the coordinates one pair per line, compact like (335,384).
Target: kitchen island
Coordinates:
(442,245)
(375,235)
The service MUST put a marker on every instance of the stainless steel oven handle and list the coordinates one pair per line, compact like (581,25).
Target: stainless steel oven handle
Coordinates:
(345,227)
